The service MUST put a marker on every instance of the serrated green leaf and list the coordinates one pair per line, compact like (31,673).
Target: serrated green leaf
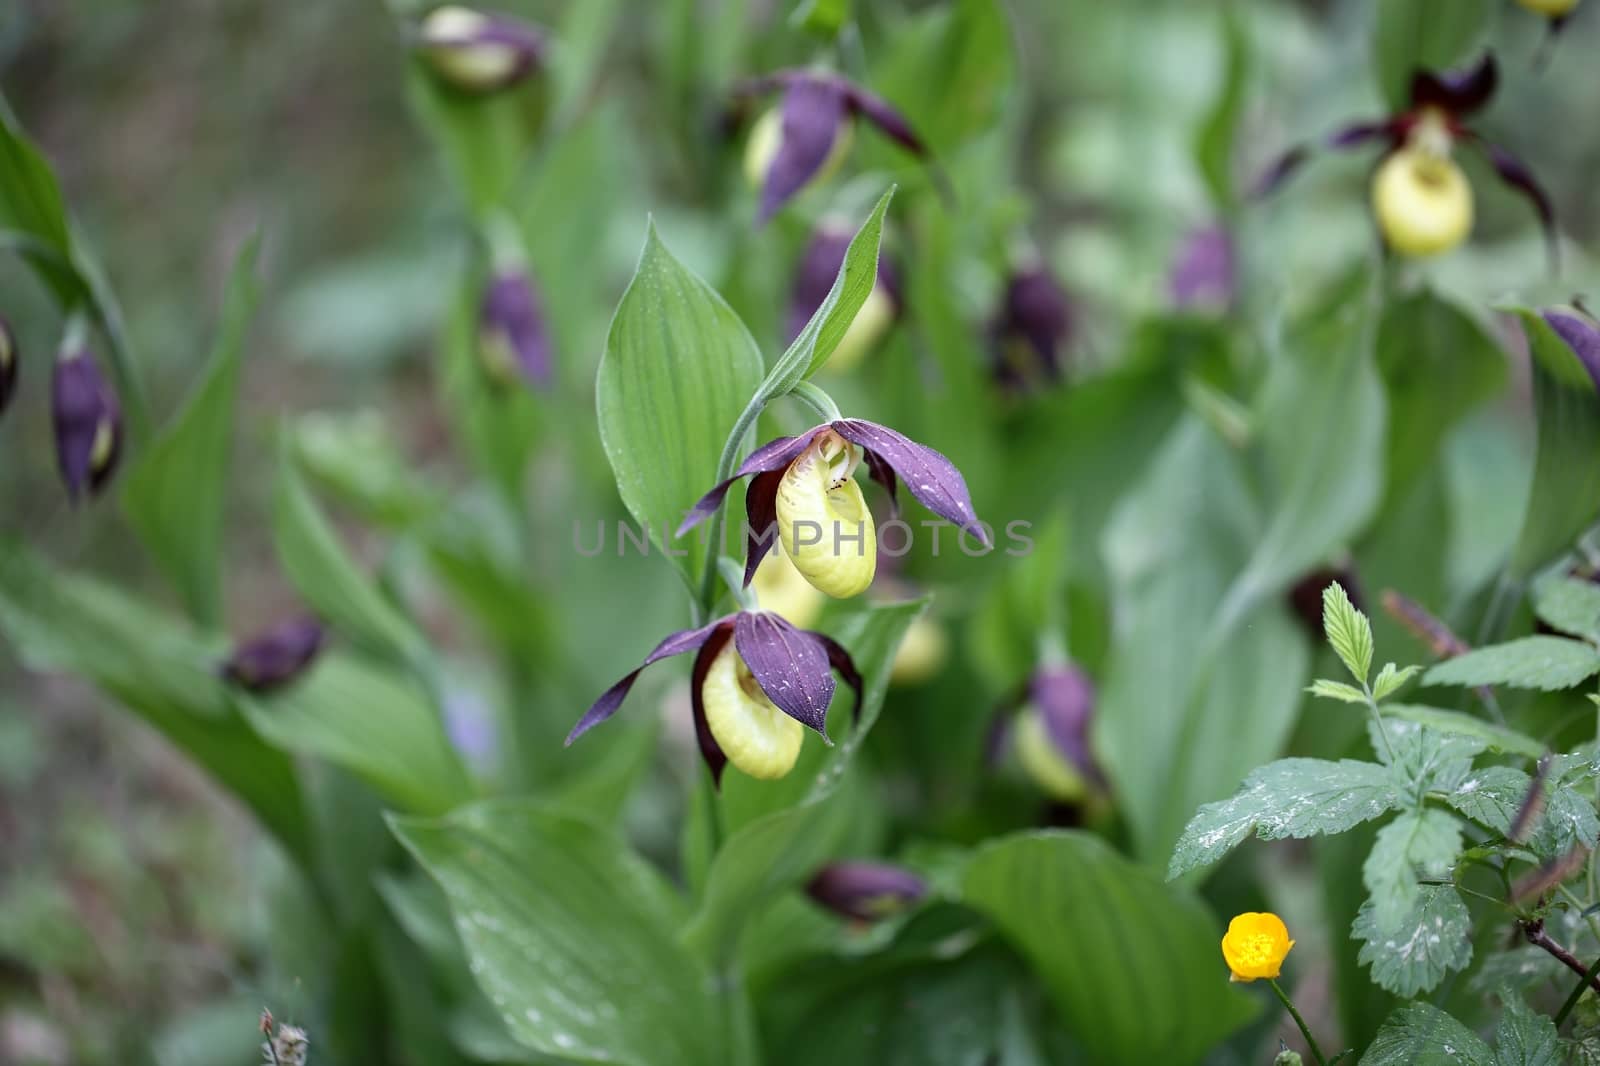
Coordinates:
(1337,690)
(1416,952)
(1539,662)
(571,935)
(1571,605)
(1494,795)
(173,492)
(679,368)
(1391,680)
(1348,631)
(1415,846)
(1498,738)
(371,722)
(1420,1034)
(1525,1037)
(1491,796)
(1061,897)
(1290,798)
(1424,760)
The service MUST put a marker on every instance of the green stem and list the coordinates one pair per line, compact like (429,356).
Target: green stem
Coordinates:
(725,468)
(1586,981)
(1305,1030)
(818,400)
(1377,718)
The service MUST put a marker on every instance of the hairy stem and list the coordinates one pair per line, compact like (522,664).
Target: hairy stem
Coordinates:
(1534,931)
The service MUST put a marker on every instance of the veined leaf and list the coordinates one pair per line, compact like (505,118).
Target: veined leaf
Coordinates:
(1391,680)
(1420,844)
(1423,759)
(1348,631)
(174,492)
(1337,690)
(1545,663)
(1214,143)
(828,325)
(1420,1034)
(1416,952)
(1290,798)
(1498,738)
(1525,1037)
(1571,605)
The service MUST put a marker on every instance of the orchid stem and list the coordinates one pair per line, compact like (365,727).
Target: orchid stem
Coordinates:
(1305,1030)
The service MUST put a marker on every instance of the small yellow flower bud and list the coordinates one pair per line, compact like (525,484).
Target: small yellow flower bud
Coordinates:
(766,135)
(755,736)
(922,653)
(781,589)
(1550,8)
(823,521)
(866,329)
(1043,762)
(1422,201)
(1255,946)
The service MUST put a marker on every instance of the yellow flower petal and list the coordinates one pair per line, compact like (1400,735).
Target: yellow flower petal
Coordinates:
(1551,8)
(783,590)
(823,521)
(755,736)
(1255,946)
(1422,201)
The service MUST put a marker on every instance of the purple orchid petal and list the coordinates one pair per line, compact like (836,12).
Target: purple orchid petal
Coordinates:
(865,891)
(716,759)
(773,455)
(88,425)
(1515,173)
(457,40)
(761,520)
(1582,337)
(789,664)
(1352,136)
(839,658)
(1460,92)
(512,326)
(882,114)
(1203,273)
(932,479)
(8,364)
(276,657)
(883,474)
(1038,311)
(674,644)
(814,111)
(1064,699)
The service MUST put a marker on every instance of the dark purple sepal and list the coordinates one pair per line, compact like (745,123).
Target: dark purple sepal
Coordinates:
(1203,273)
(88,425)
(1038,312)
(865,891)
(760,519)
(789,664)
(1582,336)
(512,326)
(882,114)
(1458,92)
(8,364)
(814,113)
(674,644)
(883,474)
(275,658)
(1064,698)
(715,759)
(773,455)
(932,479)
(1354,135)
(1516,174)
(1305,595)
(840,659)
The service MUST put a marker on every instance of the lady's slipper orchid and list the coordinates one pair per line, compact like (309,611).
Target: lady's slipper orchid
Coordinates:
(513,340)
(804,487)
(1255,946)
(756,681)
(1052,734)
(1420,198)
(811,134)
(820,264)
(865,891)
(88,423)
(1202,277)
(276,657)
(8,364)
(477,52)
(1582,336)
(1305,595)
(783,590)
(1031,331)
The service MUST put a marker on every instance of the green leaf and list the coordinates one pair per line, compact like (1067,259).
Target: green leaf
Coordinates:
(1337,690)
(157,669)
(1348,631)
(1424,760)
(173,494)
(679,368)
(948,69)
(822,17)
(354,457)
(831,320)
(1416,952)
(777,850)
(1214,142)
(32,208)
(1420,1034)
(1539,662)
(1565,497)
(371,722)
(1108,939)
(1422,34)
(570,935)
(484,138)
(1290,798)
(1492,796)
(1391,680)
(1571,605)
(1420,844)
(1525,1037)
(324,573)
(1497,738)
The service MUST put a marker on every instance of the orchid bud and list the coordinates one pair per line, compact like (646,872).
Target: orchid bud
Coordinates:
(8,364)
(765,141)
(276,657)
(823,520)
(1202,276)
(1550,8)
(1422,201)
(754,734)
(88,423)
(819,266)
(1033,326)
(1305,596)
(921,655)
(513,340)
(865,891)
(1052,734)
(477,52)
(1582,335)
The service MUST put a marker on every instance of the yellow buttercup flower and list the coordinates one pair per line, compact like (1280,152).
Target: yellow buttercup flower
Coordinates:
(1255,946)
(1552,8)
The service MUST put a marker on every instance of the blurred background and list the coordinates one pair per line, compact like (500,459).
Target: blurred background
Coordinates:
(136,901)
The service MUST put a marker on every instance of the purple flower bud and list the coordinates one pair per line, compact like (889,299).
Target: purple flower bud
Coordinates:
(1582,336)
(479,52)
(1306,595)
(276,657)
(1036,316)
(1063,696)
(1202,276)
(820,265)
(865,891)
(88,424)
(512,338)
(8,364)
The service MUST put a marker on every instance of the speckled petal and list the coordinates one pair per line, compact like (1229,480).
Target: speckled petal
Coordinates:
(932,479)
(789,664)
